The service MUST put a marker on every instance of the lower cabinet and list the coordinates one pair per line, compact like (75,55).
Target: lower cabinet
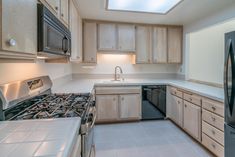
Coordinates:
(177,110)
(116,104)
(192,120)
(129,106)
(107,107)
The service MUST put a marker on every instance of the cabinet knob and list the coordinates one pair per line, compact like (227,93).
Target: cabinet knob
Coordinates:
(185,105)
(190,99)
(12,42)
(213,145)
(213,108)
(213,118)
(56,8)
(62,15)
(213,132)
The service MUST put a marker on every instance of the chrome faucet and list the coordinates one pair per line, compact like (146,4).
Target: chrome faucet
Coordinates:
(117,77)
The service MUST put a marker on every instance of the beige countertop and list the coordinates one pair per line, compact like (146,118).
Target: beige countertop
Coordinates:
(34,138)
(86,85)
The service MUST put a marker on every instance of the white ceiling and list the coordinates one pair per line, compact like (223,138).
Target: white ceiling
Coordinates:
(185,13)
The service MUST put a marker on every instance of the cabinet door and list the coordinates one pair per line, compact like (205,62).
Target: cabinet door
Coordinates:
(107,107)
(19,26)
(126,38)
(174,45)
(143,44)
(159,45)
(177,110)
(192,119)
(130,106)
(76,33)
(107,37)
(90,42)
(53,5)
(64,11)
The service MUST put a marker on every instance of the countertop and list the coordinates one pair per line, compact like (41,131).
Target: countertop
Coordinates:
(44,138)
(86,85)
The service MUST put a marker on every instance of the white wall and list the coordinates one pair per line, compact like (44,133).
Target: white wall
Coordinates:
(207,22)
(107,62)
(206,53)
(17,71)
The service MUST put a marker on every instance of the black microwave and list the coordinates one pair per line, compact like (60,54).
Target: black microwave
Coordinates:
(54,39)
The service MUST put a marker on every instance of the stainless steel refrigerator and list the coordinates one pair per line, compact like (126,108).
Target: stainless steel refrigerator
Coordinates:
(229,93)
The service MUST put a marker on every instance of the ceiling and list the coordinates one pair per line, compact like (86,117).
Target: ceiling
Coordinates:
(184,13)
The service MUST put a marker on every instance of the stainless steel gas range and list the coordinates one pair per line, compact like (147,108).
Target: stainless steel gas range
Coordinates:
(32,99)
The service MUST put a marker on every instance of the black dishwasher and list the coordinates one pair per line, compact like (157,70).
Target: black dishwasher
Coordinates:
(153,102)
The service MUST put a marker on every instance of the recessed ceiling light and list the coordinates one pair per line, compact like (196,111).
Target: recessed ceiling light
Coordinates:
(149,6)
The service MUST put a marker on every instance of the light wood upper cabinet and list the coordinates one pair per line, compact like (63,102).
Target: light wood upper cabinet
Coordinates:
(126,38)
(60,8)
(76,33)
(130,106)
(174,45)
(107,107)
(159,46)
(18,29)
(192,120)
(107,37)
(90,42)
(53,5)
(64,11)
(143,42)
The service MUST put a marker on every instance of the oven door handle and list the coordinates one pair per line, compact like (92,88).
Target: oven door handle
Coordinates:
(94,119)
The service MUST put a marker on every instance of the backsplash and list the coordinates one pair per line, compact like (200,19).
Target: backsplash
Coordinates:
(10,72)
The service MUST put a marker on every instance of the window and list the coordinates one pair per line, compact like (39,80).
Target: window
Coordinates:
(149,6)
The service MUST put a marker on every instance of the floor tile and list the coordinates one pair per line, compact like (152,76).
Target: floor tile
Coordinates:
(145,139)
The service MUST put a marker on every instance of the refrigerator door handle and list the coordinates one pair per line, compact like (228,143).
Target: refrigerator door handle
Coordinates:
(229,57)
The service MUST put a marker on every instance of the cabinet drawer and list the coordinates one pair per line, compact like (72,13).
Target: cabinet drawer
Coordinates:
(213,119)
(176,92)
(118,90)
(213,133)
(213,146)
(213,106)
(195,99)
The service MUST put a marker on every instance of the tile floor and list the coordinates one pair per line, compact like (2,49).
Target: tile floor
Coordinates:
(145,139)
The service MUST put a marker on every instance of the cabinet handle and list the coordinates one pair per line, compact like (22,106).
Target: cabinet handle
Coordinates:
(62,15)
(185,105)
(213,145)
(213,118)
(213,132)
(12,42)
(213,108)
(56,8)
(190,99)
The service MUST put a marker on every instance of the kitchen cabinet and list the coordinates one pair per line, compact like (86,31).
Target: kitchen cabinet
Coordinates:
(18,29)
(64,11)
(129,106)
(76,33)
(177,110)
(107,37)
(174,44)
(116,104)
(192,120)
(60,8)
(53,5)
(107,107)
(126,38)
(159,46)
(90,42)
(143,42)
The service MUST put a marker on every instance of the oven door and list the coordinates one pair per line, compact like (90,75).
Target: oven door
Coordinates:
(88,145)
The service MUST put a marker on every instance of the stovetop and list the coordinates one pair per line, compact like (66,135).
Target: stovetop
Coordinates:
(50,106)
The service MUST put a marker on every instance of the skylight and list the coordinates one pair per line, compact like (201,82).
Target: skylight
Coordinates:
(149,6)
